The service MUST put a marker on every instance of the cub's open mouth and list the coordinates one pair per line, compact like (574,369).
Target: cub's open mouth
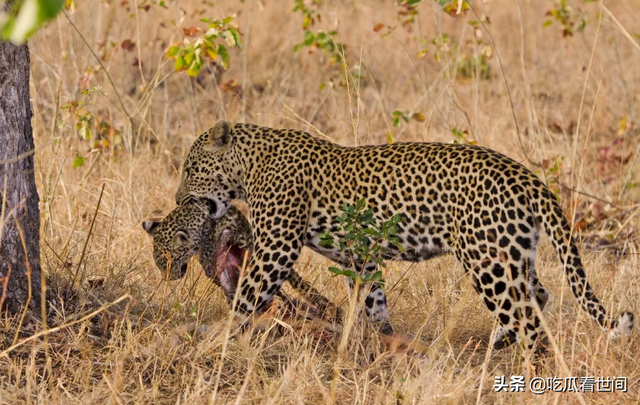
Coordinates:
(229,261)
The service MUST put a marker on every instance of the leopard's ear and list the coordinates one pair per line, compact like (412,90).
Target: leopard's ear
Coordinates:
(150,226)
(217,136)
(180,238)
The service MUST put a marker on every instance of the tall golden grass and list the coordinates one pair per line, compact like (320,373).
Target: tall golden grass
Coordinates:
(576,100)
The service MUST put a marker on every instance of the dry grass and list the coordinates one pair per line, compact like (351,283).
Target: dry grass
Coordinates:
(556,85)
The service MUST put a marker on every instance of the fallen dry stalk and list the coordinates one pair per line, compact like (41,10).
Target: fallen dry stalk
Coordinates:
(61,327)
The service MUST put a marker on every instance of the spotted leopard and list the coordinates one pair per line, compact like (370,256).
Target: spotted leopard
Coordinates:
(477,204)
(220,245)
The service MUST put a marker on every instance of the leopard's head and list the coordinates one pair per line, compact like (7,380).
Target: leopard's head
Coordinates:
(208,170)
(190,230)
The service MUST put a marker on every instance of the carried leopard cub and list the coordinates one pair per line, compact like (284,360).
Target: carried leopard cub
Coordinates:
(477,204)
(220,245)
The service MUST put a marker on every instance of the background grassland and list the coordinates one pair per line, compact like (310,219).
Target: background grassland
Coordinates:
(577,107)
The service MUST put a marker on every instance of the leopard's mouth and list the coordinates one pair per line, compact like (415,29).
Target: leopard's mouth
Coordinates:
(229,265)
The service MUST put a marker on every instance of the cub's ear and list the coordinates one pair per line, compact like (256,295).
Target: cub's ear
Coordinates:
(217,136)
(180,238)
(150,226)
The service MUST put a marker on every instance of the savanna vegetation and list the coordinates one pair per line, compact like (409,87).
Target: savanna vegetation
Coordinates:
(120,90)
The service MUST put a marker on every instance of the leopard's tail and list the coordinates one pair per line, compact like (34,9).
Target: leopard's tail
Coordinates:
(548,213)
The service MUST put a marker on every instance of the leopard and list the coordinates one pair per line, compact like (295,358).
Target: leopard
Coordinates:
(479,205)
(220,246)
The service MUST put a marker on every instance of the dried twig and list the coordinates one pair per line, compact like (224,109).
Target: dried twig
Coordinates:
(5,352)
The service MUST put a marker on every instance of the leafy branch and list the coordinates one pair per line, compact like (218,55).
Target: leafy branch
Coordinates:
(362,239)
(22,18)
(212,44)
(319,39)
(571,19)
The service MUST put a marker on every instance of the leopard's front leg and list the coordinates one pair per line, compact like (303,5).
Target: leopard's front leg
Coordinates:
(276,249)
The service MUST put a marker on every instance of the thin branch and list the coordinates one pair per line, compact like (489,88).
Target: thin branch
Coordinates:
(621,27)
(19,157)
(86,242)
(106,72)
(506,84)
(576,135)
(29,274)
(588,195)
(5,352)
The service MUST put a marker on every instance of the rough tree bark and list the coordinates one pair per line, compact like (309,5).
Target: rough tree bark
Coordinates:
(19,211)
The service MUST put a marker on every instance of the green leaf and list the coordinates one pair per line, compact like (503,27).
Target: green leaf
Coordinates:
(211,51)
(336,271)
(180,64)
(309,38)
(173,52)
(194,69)
(236,37)
(224,55)
(322,38)
(351,274)
(188,55)
(326,243)
(78,161)
(29,16)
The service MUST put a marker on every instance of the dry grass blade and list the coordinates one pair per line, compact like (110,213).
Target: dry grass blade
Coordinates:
(86,242)
(35,336)
(113,121)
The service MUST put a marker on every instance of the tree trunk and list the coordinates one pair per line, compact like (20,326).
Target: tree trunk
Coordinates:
(19,211)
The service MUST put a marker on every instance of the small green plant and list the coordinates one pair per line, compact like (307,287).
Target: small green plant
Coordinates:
(571,18)
(400,117)
(363,241)
(473,59)
(192,53)
(78,161)
(454,7)
(409,9)
(445,47)
(462,137)
(320,39)
(552,171)
(93,127)
(324,41)
(310,15)
(406,116)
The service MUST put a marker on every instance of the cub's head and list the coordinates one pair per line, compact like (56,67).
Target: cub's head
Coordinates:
(189,230)
(207,171)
